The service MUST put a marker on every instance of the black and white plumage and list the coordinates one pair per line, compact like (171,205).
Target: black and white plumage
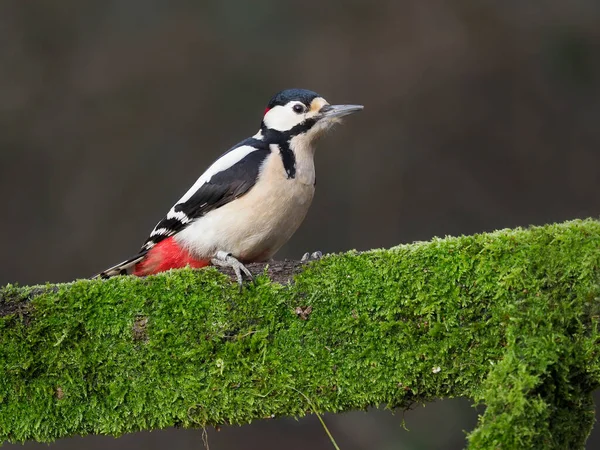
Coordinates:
(251,200)
(231,176)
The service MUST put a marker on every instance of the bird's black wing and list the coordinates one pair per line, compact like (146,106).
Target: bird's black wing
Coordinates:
(223,186)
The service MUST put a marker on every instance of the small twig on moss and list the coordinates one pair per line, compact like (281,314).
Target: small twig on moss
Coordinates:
(314,410)
(205,438)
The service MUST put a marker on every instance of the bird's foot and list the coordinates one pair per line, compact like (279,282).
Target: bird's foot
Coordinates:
(311,256)
(224,259)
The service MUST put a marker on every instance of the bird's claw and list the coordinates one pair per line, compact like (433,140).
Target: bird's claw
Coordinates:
(224,259)
(311,256)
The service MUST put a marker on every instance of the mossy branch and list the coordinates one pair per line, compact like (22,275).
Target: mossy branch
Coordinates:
(509,319)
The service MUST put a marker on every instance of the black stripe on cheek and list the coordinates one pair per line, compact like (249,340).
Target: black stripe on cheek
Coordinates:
(271,136)
(302,127)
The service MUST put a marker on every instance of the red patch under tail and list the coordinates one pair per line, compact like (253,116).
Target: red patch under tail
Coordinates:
(165,255)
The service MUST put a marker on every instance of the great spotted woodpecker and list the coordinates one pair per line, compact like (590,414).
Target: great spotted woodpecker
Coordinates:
(251,200)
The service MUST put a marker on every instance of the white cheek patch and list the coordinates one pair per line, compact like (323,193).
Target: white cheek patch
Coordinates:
(282,118)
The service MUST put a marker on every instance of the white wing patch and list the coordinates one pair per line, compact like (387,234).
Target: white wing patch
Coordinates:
(178,216)
(221,164)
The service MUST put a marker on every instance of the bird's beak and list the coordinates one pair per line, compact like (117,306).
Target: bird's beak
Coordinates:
(337,111)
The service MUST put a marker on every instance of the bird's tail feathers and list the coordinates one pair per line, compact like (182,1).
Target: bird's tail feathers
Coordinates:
(124,268)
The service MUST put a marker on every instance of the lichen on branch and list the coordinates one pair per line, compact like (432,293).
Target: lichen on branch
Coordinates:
(509,319)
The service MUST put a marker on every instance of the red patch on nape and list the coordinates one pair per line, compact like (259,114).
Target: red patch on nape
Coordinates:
(267,109)
(166,255)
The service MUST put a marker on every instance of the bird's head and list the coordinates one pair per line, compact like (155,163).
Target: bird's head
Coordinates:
(302,114)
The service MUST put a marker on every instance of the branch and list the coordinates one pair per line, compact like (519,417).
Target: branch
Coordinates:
(14,300)
(509,319)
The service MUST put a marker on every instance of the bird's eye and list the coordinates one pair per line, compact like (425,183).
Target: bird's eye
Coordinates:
(298,108)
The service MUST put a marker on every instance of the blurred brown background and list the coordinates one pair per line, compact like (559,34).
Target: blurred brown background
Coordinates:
(479,115)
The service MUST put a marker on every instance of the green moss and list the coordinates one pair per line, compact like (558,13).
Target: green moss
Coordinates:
(509,319)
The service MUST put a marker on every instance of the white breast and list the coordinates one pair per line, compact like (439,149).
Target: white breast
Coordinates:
(254,226)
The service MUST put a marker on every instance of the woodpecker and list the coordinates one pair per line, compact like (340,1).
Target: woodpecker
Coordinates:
(250,201)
